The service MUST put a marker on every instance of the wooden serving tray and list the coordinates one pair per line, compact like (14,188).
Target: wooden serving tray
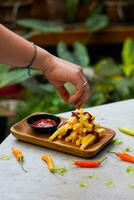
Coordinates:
(22,131)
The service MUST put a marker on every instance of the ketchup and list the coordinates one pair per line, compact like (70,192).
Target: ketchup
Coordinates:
(45,123)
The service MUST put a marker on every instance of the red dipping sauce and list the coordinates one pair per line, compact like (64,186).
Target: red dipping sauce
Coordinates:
(44,123)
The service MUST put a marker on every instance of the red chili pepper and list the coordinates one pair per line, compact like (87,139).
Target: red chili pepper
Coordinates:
(124,156)
(90,164)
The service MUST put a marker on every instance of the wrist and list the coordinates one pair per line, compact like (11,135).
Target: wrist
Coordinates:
(42,60)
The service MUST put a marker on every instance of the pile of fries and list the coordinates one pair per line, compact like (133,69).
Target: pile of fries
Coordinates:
(80,130)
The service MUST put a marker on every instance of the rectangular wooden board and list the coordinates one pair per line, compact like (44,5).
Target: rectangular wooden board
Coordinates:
(22,131)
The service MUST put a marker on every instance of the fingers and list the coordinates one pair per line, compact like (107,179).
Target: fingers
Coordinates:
(78,84)
(85,94)
(63,92)
(84,97)
(77,94)
(82,90)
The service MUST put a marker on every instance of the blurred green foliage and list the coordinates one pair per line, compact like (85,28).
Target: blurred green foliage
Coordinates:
(91,14)
(10,75)
(40,97)
(41,25)
(128,57)
(96,22)
(113,81)
(110,82)
(71,5)
(79,55)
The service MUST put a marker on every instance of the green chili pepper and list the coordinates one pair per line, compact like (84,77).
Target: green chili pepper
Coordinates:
(127,131)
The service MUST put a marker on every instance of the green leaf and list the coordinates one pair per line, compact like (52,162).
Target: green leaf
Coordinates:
(60,170)
(83,184)
(116,141)
(81,54)
(96,9)
(127,149)
(130,170)
(93,177)
(97,98)
(131,185)
(15,76)
(70,88)
(40,25)
(122,87)
(71,9)
(34,100)
(107,68)
(110,184)
(64,53)
(78,56)
(128,52)
(3,69)
(5,157)
(96,22)
(128,69)
(30,34)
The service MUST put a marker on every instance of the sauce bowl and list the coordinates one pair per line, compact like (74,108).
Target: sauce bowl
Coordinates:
(37,123)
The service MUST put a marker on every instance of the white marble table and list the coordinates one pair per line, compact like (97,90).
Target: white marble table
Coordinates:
(39,184)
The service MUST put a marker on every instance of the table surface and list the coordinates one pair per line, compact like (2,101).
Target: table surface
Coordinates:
(39,184)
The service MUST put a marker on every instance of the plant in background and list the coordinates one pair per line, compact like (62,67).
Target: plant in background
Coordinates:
(9,79)
(10,10)
(93,19)
(111,81)
(87,11)
(79,55)
(128,57)
(36,27)
(36,96)
(40,97)
(10,76)
(71,5)
(120,11)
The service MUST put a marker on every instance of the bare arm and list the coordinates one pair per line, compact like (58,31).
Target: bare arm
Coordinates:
(17,51)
